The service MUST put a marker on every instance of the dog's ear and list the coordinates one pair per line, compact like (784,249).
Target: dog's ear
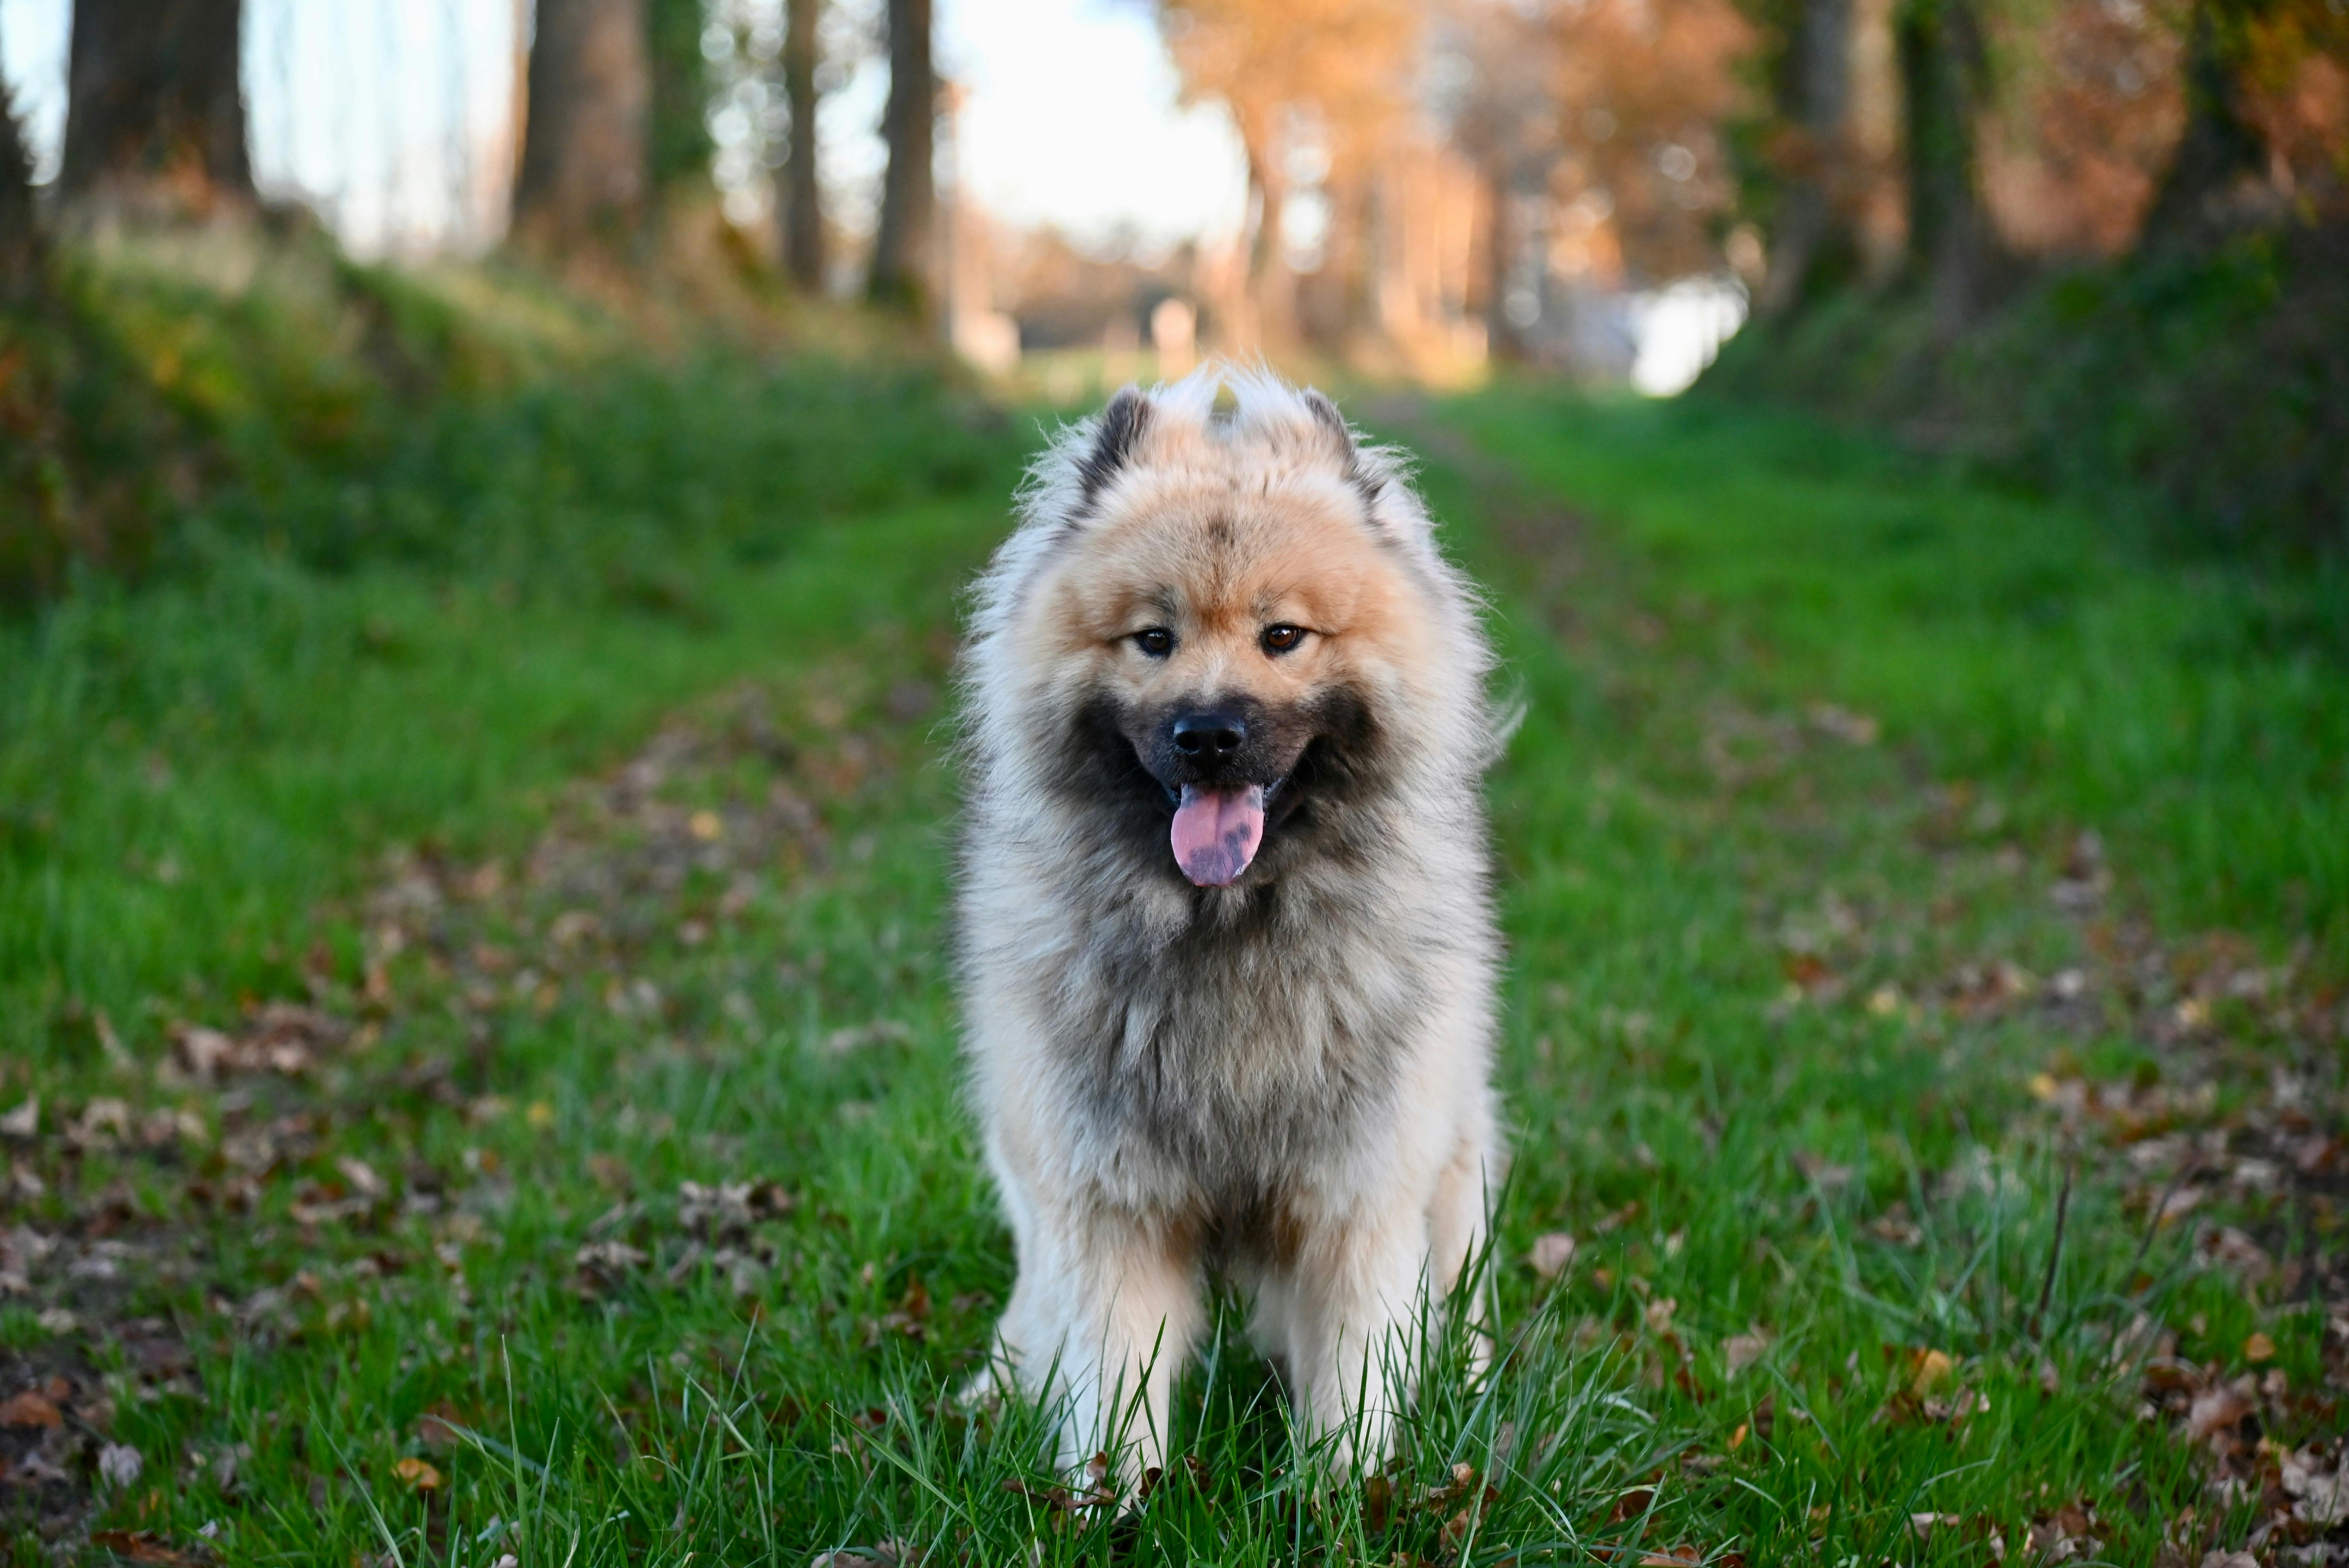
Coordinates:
(1115,434)
(1333,428)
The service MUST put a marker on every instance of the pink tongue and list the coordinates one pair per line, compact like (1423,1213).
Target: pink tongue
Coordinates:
(1216,833)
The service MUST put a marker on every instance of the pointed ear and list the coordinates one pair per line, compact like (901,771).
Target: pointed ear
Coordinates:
(1120,427)
(1325,414)
(1341,439)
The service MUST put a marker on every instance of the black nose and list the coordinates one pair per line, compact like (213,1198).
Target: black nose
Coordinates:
(1209,736)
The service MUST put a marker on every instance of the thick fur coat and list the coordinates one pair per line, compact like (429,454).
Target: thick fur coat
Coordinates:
(1226,941)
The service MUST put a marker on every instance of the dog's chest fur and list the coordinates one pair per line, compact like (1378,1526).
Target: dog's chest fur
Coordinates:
(1238,1051)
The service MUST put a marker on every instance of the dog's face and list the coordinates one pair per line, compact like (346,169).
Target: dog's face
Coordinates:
(1218,628)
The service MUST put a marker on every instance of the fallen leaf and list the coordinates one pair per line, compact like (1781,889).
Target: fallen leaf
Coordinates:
(2219,1409)
(24,1121)
(1740,1351)
(2323,1493)
(1927,1368)
(30,1409)
(890,1553)
(120,1464)
(1822,1171)
(1552,1254)
(418,1475)
(143,1546)
(2259,1348)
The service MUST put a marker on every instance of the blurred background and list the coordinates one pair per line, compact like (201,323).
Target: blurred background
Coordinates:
(2093,241)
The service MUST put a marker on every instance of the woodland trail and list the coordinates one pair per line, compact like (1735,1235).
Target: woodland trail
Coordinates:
(1900,1176)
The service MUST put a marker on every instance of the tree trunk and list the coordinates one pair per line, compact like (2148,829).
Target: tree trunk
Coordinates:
(583,155)
(1812,245)
(901,249)
(1503,341)
(1271,288)
(802,204)
(680,145)
(1945,67)
(20,234)
(2218,148)
(155,117)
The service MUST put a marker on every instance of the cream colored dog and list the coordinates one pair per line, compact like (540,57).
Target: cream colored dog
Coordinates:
(1225,934)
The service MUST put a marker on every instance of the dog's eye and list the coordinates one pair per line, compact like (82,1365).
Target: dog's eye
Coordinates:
(1280,639)
(1156,641)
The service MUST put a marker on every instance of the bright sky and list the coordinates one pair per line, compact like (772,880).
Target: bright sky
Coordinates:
(1071,119)
(1069,115)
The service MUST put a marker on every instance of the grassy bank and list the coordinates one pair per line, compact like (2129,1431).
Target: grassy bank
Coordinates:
(2195,713)
(2195,393)
(595,1189)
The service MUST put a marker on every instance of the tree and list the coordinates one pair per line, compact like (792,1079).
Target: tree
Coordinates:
(1812,243)
(680,144)
(1503,116)
(1945,71)
(801,208)
(20,234)
(901,247)
(2219,147)
(1327,77)
(155,119)
(585,155)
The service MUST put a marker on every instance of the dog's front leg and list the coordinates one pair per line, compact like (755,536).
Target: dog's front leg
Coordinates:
(1354,1330)
(1116,1300)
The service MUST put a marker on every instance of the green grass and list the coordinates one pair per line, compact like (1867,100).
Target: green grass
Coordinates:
(623,890)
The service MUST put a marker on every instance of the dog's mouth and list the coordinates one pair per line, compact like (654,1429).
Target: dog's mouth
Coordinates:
(1228,776)
(1217,831)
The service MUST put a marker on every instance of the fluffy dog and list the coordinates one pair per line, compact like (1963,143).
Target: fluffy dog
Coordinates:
(1226,941)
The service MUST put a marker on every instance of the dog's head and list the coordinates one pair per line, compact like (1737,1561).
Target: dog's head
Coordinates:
(1230,625)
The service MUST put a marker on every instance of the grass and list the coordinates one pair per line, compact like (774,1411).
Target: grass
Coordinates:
(606,1196)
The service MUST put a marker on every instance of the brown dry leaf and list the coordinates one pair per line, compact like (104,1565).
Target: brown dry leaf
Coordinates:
(31,1409)
(1098,1493)
(440,1426)
(144,1546)
(1607,1224)
(1824,1173)
(1927,1369)
(2259,1348)
(1552,1254)
(1740,1351)
(2321,1490)
(2221,1409)
(418,1475)
(602,1264)
(890,1553)
(2234,1250)
(24,1121)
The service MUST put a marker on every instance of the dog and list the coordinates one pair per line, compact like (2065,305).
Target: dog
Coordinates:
(1226,938)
